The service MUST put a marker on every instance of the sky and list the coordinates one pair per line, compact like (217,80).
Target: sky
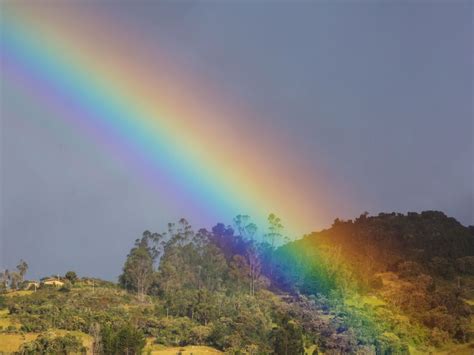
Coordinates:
(330,109)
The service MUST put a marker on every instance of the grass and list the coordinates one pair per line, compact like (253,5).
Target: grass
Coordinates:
(87,340)
(470,302)
(158,349)
(184,350)
(18,293)
(10,343)
(451,349)
(5,320)
(365,300)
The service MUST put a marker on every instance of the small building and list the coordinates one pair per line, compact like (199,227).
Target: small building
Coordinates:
(53,282)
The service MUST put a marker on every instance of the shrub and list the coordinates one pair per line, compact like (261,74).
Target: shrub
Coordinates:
(440,318)
(123,340)
(71,276)
(175,331)
(11,329)
(465,265)
(289,339)
(389,343)
(3,302)
(200,334)
(438,337)
(66,287)
(34,324)
(409,269)
(48,343)
(442,267)
(376,283)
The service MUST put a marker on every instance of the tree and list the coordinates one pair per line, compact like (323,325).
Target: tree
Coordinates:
(245,227)
(15,280)
(22,268)
(254,267)
(129,340)
(138,269)
(124,340)
(274,236)
(289,339)
(5,278)
(48,343)
(95,333)
(71,276)
(247,231)
(275,230)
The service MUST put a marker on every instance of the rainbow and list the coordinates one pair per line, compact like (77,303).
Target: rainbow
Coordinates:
(165,124)
(87,70)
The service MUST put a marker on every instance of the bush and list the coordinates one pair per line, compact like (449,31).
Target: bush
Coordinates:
(389,343)
(34,324)
(465,265)
(289,339)
(200,334)
(376,283)
(438,337)
(14,308)
(48,343)
(175,331)
(440,318)
(442,267)
(71,276)
(3,302)
(11,329)
(408,269)
(66,287)
(124,340)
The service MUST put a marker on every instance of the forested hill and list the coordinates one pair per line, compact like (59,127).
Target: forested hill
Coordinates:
(417,267)
(387,284)
(428,237)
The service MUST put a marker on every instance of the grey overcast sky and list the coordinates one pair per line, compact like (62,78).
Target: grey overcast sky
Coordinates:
(382,92)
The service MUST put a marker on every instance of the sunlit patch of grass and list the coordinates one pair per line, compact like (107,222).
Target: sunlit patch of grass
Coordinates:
(87,340)
(326,317)
(18,293)
(5,319)
(470,302)
(10,343)
(449,349)
(157,349)
(374,301)
(361,301)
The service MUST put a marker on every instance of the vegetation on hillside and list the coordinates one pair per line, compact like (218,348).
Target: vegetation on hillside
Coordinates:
(388,284)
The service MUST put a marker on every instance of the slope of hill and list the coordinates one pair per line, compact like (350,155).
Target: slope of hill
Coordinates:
(390,238)
(413,274)
(389,284)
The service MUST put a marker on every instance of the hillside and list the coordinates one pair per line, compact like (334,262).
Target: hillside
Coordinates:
(391,238)
(413,275)
(51,314)
(388,284)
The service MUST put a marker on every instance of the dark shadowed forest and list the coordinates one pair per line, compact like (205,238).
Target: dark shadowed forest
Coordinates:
(386,284)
